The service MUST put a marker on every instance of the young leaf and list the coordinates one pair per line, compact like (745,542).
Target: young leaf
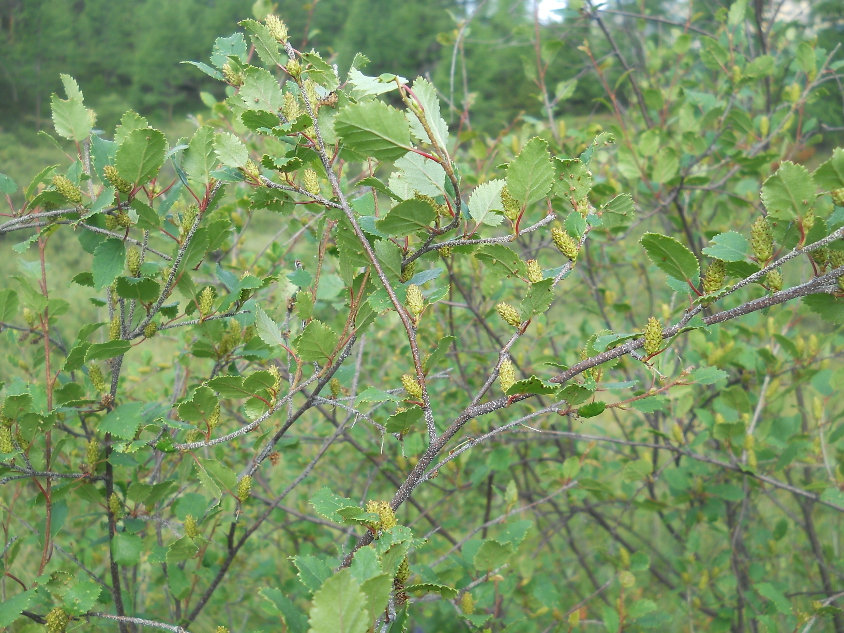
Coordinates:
(199,157)
(316,342)
(141,155)
(406,218)
(419,174)
(729,247)
(11,608)
(294,619)
(492,555)
(592,409)
(484,201)
(126,548)
(70,117)
(427,96)
(671,257)
(260,91)
(230,150)
(373,128)
(827,307)
(830,175)
(267,329)
(339,606)
(574,181)
(530,175)
(789,193)
(109,260)
(265,44)
(538,299)
(104,351)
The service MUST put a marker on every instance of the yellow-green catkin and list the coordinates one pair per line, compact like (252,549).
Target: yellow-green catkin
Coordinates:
(407,272)
(6,445)
(206,301)
(336,388)
(467,603)
(64,186)
(277,28)
(836,260)
(507,374)
(133,261)
(677,432)
(310,182)
(565,242)
(57,620)
(386,516)
(534,271)
(250,169)
(30,317)
(221,629)
(411,386)
(114,505)
(294,68)
(762,240)
(509,314)
(414,301)
(191,528)
(510,204)
(244,487)
(290,108)
(232,77)
(96,377)
(114,327)
(403,572)
(808,221)
(188,219)
(624,557)
(653,336)
(764,126)
(445,251)
(92,453)
(714,277)
(150,329)
(838,197)
(114,179)
(214,418)
(774,280)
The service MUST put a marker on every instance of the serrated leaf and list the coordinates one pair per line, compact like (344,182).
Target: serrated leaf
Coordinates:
(123,421)
(10,609)
(126,548)
(708,375)
(403,421)
(365,564)
(373,129)
(200,407)
(109,260)
(538,299)
(8,304)
(671,257)
(260,91)
(419,174)
(592,409)
(140,155)
(230,150)
(232,46)
(142,289)
(294,619)
(827,307)
(530,175)
(7,185)
(316,342)
(211,72)
(406,218)
(485,201)
(328,503)
(265,44)
(666,166)
(574,180)
(789,193)
(492,555)
(501,259)
(377,591)
(181,550)
(371,394)
(267,329)
(339,606)
(729,247)
(531,385)
(427,96)
(830,175)
(312,571)
(365,85)
(449,593)
(71,118)
(199,158)
(104,351)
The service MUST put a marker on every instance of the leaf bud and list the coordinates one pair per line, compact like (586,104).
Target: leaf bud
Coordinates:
(64,186)
(294,68)
(30,317)
(206,301)
(231,76)
(310,181)
(275,458)
(677,432)
(512,208)
(57,620)
(507,375)
(407,272)
(133,261)
(762,240)
(290,109)
(386,516)
(626,579)
(336,388)
(414,301)
(114,505)
(509,314)
(114,327)
(114,179)
(92,454)
(534,272)
(191,528)
(653,336)
(277,28)
(565,242)
(735,74)
(574,618)
(244,487)
(467,603)
(214,418)
(749,442)
(150,329)
(774,280)
(624,557)
(250,170)
(714,277)
(764,126)
(838,197)
(704,580)
(411,386)
(6,445)
(96,377)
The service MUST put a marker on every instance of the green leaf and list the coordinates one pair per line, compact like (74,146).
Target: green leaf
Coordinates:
(316,342)
(267,329)
(71,118)
(530,175)
(109,260)
(260,91)
(502,260)
(773,594)
(126,548)
(7,185)
(406,218)
(538,299)
(312,571)
(339,606)
(232,46)
(373,129)
(427,96)
(81,597)
(377,590)
(449,593)
(827,307)
(181,550)
(136,288)
(789,193)
(729,247)
(328,504)
(141,155)
(265,44)
(492,555)
(10,609)
(200,407)
(104,351)
(294,619)
(371,394)
(666,166)
(637,470)
(830,175)
(403,421)
(671,257)
(365,564)
(129,122)
(418,174)
(573,179)
(8,304)
(123,422)
(531,385)
(708,375)
(592,409)
(199,159)
(485,200)
(230,150)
